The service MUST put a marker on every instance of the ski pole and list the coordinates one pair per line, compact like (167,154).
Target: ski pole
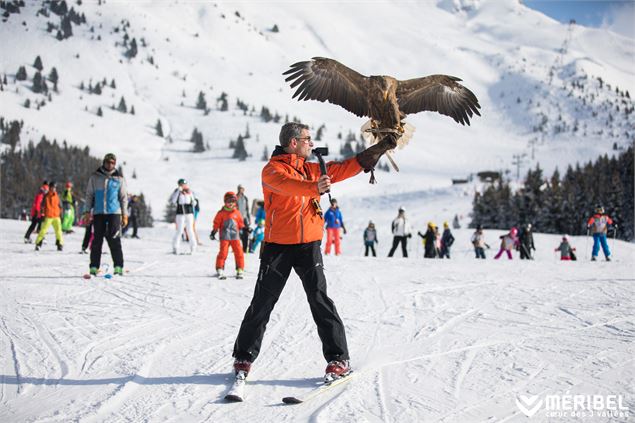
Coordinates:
(586,245)
(614,238)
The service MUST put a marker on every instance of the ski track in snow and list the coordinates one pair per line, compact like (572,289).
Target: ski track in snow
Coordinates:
(449,341)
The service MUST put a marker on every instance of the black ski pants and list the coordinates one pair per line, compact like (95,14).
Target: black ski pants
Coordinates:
(403,240)
(35,221)
(276,263)
(109,226)
(370,247)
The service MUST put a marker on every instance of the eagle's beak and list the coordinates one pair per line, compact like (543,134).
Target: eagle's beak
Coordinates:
(385,95)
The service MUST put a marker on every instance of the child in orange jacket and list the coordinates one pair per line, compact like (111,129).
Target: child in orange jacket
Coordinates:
(228,222)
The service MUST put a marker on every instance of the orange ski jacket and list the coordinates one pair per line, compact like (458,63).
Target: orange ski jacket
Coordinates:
(228,223)
(292,199)
(51,206)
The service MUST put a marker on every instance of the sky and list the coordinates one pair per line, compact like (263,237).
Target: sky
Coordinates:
(615,15)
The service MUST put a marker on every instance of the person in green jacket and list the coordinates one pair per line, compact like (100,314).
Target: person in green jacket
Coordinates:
(68,208)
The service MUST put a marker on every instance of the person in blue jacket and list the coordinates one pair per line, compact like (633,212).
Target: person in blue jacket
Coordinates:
(107,197)
(334,224)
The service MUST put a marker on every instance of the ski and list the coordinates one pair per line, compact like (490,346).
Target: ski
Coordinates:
(318,391)
(237,391)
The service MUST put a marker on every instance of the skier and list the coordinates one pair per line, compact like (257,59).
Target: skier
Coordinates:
(294,230)
(566,251)
(508,242)
(257,236)
(52,211)
(447,239)
(401,231)
(478,241)
(36,212)
(184,200)
(133,213)
(68,207)
(455,222)
(334,223)
(87,222)
(107,197)
(370,239)
(429,241)
(526,238)
(242,203)
(228,221)
(599,225)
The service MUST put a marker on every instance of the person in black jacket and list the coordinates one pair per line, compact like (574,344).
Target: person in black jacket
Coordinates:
(447,239)
(526,242)
(429,241)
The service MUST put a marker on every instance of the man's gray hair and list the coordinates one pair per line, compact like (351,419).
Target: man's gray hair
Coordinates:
(291,130)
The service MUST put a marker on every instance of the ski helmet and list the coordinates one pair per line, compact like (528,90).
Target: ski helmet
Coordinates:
(599,209)
(182,181)
(69,184)
(401,209)
(229,195)
(479,227)
(513,231)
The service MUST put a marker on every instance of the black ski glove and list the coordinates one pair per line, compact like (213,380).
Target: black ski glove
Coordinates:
(212,235)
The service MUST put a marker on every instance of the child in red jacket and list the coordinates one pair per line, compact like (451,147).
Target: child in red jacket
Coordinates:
(228,222)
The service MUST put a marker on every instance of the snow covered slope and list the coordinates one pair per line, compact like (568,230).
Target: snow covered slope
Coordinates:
(431,340)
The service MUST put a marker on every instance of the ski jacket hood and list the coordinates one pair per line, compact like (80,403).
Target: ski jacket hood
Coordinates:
(292,199)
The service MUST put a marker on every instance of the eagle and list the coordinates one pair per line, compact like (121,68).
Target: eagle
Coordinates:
(384,99)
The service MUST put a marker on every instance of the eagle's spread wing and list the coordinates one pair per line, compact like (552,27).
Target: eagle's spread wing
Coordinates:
(438,93)
(325,79)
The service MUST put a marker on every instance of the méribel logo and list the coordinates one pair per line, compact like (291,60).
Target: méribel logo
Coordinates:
(529,404)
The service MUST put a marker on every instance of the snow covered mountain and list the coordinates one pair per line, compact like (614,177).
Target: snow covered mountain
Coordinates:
(433,340)
(555,93)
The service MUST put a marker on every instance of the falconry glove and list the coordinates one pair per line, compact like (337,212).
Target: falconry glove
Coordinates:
(368,158)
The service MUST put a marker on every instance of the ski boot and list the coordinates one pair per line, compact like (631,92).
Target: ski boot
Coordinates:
(242,368)
(593,258)
(27,240)
(93,271)
(60,247)
(240,273)
(336,369)
(608,259)
(38,245)
(118,271)
(221,274)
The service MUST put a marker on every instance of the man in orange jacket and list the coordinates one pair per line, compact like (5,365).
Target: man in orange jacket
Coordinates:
(293,232)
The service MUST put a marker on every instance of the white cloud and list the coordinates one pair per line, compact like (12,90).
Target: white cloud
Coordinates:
(620,18)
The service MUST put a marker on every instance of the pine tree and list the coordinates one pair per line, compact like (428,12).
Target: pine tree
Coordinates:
(97,89)
(112,84)
(222,103)
(122,106)
(38,64)
(201,104)
(159,128)
(27,103)
(21,74)
(265,154)
(239,151)
(132,110)
(53,76)
(100,113)
(37,83)
(67,27)
(132,51)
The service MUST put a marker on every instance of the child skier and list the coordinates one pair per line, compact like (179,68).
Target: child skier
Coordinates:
(257,236)
(508,242)
(68,207)
(228,221)
(430,241)
(478,241)
(334,223)
(599,225)
(370,239)
(52,216)
(447,239)
(566,251)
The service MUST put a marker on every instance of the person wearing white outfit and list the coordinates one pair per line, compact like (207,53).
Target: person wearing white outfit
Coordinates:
(184,200)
